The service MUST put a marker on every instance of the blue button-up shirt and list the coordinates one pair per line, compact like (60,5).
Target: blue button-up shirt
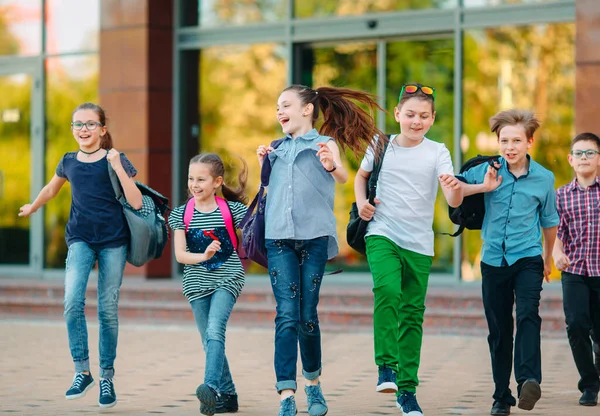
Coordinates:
(515,211)
(300,194)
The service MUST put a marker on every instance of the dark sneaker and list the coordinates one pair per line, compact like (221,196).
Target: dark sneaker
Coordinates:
(386,383)
(597,357)
(317,406)
(287,407)
(81,384)
(500,408)
(589,398)
(227,403)
(208,399)
(407,402)
(530,394)
(108,397)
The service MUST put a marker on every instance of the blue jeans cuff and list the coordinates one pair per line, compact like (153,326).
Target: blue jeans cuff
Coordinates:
(285,385)
(313,375)
(107,372)
(83,365)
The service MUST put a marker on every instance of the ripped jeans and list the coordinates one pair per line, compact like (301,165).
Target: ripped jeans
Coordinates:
(296,269)
(111,263)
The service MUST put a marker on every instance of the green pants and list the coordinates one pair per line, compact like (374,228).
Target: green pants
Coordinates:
(399,287)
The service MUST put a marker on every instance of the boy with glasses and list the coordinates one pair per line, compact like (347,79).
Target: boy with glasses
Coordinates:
(577,255)
(519,200)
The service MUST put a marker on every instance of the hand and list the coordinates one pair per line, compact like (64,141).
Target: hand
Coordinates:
(263,151)
(366,210)
(212,249)
(562,261)
(492,181)
(114,158)
(325,156)
(26,210)
(450,182)
(547,269)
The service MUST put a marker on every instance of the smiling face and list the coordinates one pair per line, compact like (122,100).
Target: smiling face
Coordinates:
(88,140)
(201,183)
(415,116)
(295,118)
(514,144)
(585,166)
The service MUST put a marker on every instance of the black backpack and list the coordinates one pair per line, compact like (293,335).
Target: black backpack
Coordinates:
(470,213)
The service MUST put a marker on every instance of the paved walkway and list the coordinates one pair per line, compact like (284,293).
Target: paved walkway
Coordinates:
(159,367)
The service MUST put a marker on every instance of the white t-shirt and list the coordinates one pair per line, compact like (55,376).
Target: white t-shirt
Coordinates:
(407,188)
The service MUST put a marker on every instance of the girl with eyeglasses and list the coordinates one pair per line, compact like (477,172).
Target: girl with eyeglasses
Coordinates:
(96,232)
(399,239)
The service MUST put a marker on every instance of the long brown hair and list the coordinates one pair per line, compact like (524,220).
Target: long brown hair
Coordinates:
(350,125)
(217,168)
(106,141)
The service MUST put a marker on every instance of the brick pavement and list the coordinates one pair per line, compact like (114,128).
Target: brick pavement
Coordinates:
(159,367)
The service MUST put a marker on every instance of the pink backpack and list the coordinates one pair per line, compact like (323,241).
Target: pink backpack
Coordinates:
(225,212)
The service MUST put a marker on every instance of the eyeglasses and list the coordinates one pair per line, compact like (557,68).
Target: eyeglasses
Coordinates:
(412,88)
(590,153)
(90,125)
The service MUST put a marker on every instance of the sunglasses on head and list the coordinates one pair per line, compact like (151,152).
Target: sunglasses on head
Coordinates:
(413,88)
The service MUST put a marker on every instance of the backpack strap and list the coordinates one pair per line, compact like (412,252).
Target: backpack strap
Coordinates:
(228,218)
(188,213)
(372,188)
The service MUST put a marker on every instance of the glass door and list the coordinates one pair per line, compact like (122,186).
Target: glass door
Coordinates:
(19,181)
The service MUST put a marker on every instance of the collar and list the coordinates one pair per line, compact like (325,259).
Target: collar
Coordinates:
(505,165)
(308,136)
(575,185)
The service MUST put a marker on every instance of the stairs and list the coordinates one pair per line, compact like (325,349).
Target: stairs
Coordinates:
(345,304)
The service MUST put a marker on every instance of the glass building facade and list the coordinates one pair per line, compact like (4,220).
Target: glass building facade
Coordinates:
(232,58)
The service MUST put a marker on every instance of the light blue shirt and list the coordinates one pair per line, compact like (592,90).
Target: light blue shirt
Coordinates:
(515,212)
(300,194)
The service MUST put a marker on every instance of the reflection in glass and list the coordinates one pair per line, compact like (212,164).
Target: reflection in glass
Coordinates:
(429,62)
(530,67)
(349,65)
(239,87)
(20,27)
(15,167)
(323,8)
(486,3)
(72,25)
(70,81)
(235,12)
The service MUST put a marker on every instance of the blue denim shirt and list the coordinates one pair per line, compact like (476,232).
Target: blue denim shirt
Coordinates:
(300,195)
(515,211)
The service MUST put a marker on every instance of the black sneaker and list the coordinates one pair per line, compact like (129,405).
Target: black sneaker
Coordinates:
(500,408)
(530,394)
(227,403)
(589,398)
(386,383)
(81,384)
(407,402)
(208,399)
(108,397)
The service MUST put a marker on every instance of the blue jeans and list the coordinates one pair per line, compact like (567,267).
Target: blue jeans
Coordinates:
(111,263)
(296,268)
(211,314)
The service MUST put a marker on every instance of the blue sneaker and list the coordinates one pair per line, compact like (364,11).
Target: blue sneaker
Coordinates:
(317,406)
(387,380)
(208,399)
(407,401)
(81,384)
(108,397)
(287,407)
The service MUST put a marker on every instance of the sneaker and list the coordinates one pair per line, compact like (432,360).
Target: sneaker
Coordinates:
(287,407)
(530,394)
(589,398)
(108,397)
(317,406)
(227,403)
(407,402)
(387,380)
(500,408)
(208,399)
(81,384)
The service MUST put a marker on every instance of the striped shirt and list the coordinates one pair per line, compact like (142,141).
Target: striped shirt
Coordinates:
(579,227)
(200,280)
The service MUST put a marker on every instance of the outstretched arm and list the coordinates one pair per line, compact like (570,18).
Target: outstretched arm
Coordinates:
(46,194)
(452,189)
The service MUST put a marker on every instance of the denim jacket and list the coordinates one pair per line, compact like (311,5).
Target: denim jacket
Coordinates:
(300,195)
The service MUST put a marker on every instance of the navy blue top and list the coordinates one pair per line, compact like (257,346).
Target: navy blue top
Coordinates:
(96,216)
